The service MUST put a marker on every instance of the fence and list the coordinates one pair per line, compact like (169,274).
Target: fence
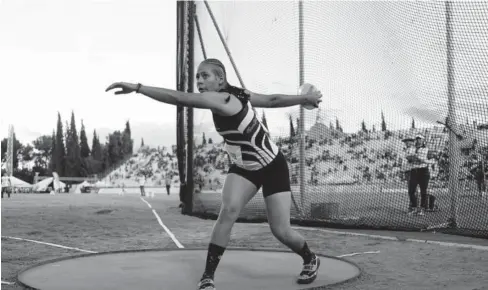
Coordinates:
(387,70)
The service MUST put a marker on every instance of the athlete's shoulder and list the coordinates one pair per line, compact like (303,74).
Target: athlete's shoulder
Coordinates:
(239,93)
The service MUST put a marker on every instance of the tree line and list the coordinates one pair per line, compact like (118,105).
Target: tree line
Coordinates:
(68,153)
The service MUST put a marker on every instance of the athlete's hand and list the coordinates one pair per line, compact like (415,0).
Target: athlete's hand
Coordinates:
(127,88)
(312,99)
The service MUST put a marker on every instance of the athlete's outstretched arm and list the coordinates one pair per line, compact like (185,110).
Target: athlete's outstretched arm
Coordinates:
(281,100)
(207,100)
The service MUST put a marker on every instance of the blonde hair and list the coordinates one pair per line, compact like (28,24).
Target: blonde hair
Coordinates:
(220,72)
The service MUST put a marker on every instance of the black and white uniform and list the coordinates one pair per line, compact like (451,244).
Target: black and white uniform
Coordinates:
(253,154)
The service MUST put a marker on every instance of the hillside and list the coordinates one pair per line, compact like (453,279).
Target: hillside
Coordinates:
(336,158)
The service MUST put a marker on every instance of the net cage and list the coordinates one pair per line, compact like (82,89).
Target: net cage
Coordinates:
(388,71)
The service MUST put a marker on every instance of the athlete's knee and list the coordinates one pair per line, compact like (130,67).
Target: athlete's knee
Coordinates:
(282,231)
(229,213)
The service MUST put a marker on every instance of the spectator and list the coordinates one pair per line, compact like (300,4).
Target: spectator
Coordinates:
(419,175)
(168,182)
(406,168)
(142,183)
(479,170)
(6,185)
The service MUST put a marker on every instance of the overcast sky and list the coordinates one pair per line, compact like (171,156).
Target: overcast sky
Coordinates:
(365,57)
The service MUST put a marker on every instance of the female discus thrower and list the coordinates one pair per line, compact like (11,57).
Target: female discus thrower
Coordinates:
(256,160)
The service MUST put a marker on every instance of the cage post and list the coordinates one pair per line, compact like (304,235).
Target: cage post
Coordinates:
(190,68)
(454,152)
(302,111)
(180,41)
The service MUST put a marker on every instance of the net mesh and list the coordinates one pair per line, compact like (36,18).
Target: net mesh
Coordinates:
(387,71)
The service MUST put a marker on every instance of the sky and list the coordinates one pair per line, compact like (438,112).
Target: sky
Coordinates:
(59,56)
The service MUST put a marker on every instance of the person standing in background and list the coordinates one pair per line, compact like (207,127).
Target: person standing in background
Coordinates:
(142,182)
(6,185)
(168,182)
(479,171)
(419,175)
(406,169)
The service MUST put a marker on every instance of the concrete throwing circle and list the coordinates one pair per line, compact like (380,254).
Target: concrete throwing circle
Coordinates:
(181,269)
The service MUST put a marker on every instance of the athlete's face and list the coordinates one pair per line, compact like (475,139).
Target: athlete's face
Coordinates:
(208,78)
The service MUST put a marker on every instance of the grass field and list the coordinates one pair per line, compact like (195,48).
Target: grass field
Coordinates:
(108,222)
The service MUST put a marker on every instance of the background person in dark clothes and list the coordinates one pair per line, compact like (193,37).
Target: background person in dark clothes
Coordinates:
(479,171)
(406,167)
(168,182)
(419,175)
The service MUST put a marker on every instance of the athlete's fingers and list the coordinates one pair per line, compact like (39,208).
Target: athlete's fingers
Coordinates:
(112,86)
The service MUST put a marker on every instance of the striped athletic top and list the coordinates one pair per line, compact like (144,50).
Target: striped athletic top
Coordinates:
(246,140)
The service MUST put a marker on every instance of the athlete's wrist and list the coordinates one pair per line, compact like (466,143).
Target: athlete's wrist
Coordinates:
(138,88)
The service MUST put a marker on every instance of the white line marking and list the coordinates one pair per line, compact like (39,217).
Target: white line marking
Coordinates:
(390,238)
(49,244)
(8,283)
(170,234)
(359,253)
(148,204)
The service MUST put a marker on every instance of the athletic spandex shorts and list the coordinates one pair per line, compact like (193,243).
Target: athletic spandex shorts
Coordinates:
(274,178)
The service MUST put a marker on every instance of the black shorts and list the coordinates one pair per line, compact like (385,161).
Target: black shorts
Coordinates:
(274,178)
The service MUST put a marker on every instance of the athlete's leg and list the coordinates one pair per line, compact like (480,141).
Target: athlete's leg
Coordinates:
(277,196)
(278,210)
(237,192)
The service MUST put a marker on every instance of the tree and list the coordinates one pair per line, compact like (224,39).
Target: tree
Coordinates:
(44,145)
(413,123)
(4,149)
(298,126)
(363,127)
(27,152)
(18,147)
(204,140)
(52,162)
(383,123)
(142,142)
(115,148)
(105,157)
(84,148)
(17,152)
(292,130)
(127,142)
(96,152)
(73,151)
(60,153)
(210,141)
(338,126)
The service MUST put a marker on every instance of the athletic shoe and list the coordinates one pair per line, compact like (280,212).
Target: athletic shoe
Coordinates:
(420,212)
(412,210)
(206,284)
(309,272)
